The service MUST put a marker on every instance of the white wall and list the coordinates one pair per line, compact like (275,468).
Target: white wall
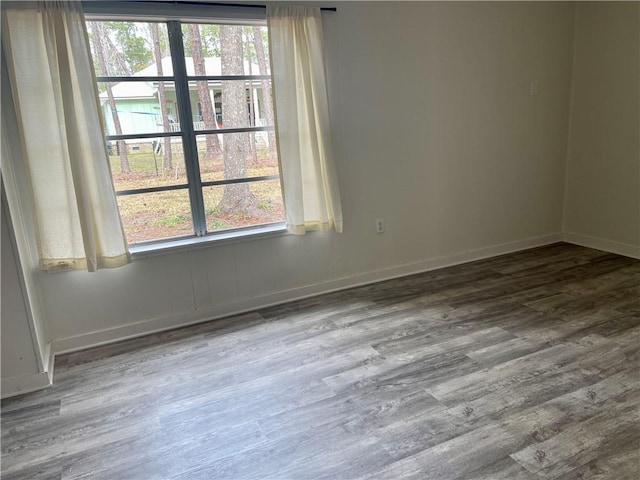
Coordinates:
(18,356)
(435,131)
(22,309)
(22,367)
(603,168)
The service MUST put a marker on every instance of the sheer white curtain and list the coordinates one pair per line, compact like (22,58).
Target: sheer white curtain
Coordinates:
(55,107)
(310,187)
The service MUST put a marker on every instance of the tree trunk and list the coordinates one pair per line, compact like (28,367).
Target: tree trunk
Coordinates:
(253,115)
(112,56)
(208,112)
(266,89)
(166,127)
(97,31)
(236,198)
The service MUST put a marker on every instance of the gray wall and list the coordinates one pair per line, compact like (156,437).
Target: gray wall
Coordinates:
(603,164)
(435,130)
(23,369)
(18,355)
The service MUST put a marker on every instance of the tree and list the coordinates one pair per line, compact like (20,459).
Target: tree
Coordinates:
(98,35)
(210,35)
(164,111)
(253,115)
(236,197)
(208,112)
(266,87)
(132,47)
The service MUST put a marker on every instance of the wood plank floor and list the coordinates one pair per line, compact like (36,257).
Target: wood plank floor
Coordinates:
(519,367)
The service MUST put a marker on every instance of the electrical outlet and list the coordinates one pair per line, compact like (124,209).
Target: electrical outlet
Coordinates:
(380,225)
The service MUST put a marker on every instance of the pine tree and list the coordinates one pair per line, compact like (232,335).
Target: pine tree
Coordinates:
(266,87)
(208,112)
(164,111)
(236,197)
(98,36)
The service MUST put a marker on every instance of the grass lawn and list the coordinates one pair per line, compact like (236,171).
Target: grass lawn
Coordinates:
(167,214)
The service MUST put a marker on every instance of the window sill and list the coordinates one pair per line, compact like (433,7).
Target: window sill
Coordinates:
(181,245)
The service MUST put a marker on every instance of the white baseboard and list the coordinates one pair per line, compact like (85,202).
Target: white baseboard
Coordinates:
(604,244)
(124,332)
(13,386)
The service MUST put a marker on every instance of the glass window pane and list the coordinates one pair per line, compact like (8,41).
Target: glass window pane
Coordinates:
(146,163)
(130,50)
(131,108)
(233,104)
(158,215)
(227,156)
(226,49)
(124,49)
(243,205)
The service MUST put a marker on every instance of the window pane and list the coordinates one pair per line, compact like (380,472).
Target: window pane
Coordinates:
(153,216)
(131,108)
(123,49)
(226,49)
(236,103)
(227,156)
(132,50)
(243,205)
(147,163)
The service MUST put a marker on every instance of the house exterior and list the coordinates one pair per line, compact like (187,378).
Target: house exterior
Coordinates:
(138,103)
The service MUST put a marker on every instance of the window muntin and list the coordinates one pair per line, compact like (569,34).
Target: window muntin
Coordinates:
(222,169)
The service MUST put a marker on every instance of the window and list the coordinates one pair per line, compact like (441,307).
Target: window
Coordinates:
(189,122)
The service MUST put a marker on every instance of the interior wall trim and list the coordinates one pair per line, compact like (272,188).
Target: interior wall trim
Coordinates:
(18,385)
(154,325)
(604,244)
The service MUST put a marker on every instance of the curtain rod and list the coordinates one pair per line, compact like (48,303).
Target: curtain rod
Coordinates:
(220,4)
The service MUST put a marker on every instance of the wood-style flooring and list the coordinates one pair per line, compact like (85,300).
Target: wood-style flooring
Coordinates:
(519,367)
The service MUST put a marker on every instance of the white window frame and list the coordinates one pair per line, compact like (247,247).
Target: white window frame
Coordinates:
(174,15)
